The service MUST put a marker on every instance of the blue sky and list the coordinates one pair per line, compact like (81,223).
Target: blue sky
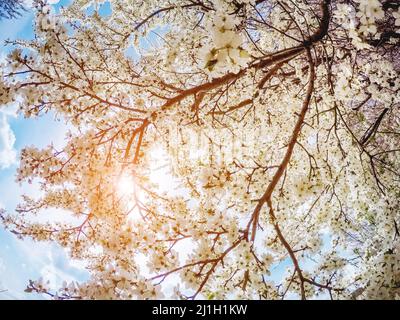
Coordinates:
(21,260)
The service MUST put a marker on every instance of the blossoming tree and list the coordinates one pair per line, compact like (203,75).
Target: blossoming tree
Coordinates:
(276,123)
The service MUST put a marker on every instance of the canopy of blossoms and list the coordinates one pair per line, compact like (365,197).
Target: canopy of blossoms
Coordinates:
(276,124)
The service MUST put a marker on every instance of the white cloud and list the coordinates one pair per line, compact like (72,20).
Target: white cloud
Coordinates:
(55,273)
(8,154)
(31,260)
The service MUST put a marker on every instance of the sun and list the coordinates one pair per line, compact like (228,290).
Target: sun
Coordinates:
(126,185)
